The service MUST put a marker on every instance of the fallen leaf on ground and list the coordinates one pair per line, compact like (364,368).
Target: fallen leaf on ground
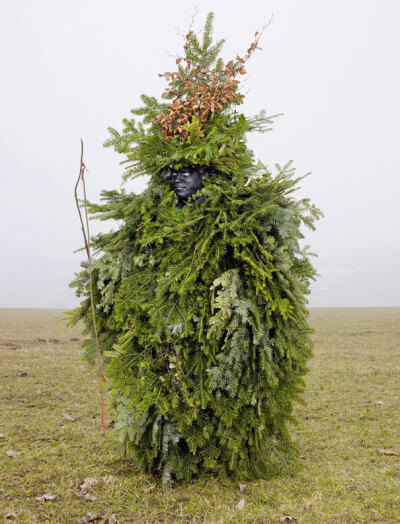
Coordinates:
(88,484)
(68,417)
(242,487)
(379,403)
(45,497)
(111,520)
(12,454)
(86,496)
(287,518)
(240,504)
(388,452)
(91,517)
(11,516)
(147,490)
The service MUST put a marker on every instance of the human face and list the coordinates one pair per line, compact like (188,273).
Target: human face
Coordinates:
(185,182)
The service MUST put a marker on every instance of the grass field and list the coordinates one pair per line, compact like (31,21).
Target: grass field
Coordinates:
(353,410)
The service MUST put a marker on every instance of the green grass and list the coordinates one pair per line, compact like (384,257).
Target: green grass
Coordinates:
(356,367)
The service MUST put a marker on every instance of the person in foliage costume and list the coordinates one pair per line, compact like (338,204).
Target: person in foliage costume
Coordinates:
(201,296)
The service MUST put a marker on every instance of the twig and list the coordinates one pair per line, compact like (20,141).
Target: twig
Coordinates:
(86,238)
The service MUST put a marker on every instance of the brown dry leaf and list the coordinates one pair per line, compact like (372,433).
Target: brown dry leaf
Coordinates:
(287,518)
(240,504)
(88,484)
(11,516)
(13,454)
(150,488)
(111,520)
(45,497)
(86,496)
(91,517)
(68,417)
(242,487)
(388,452)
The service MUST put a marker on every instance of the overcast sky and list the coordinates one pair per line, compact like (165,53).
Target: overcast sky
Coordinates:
(69,69)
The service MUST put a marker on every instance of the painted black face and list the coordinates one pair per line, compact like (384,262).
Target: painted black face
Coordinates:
(185,182)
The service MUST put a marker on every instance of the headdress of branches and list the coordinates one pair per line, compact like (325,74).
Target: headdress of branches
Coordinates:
(196,123)
(202,85)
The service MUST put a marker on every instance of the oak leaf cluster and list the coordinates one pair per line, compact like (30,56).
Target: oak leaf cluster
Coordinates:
(196,93)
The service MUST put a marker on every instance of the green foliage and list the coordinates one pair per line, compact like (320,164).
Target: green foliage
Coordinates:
(205,54)
(223,147)
(201,311)
(202,319)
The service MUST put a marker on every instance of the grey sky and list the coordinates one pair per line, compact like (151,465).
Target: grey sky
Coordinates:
(72,68)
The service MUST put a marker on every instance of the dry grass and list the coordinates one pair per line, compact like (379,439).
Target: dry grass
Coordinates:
(353,409)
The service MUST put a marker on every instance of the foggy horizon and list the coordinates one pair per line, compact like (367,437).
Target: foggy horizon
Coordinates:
(72,69)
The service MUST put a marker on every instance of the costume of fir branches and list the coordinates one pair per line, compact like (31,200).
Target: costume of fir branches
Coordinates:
(201,310)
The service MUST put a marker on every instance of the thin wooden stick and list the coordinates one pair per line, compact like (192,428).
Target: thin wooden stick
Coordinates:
(86,238)
(81,170)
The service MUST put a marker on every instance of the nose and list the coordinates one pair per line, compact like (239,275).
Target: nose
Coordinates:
(177,179)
